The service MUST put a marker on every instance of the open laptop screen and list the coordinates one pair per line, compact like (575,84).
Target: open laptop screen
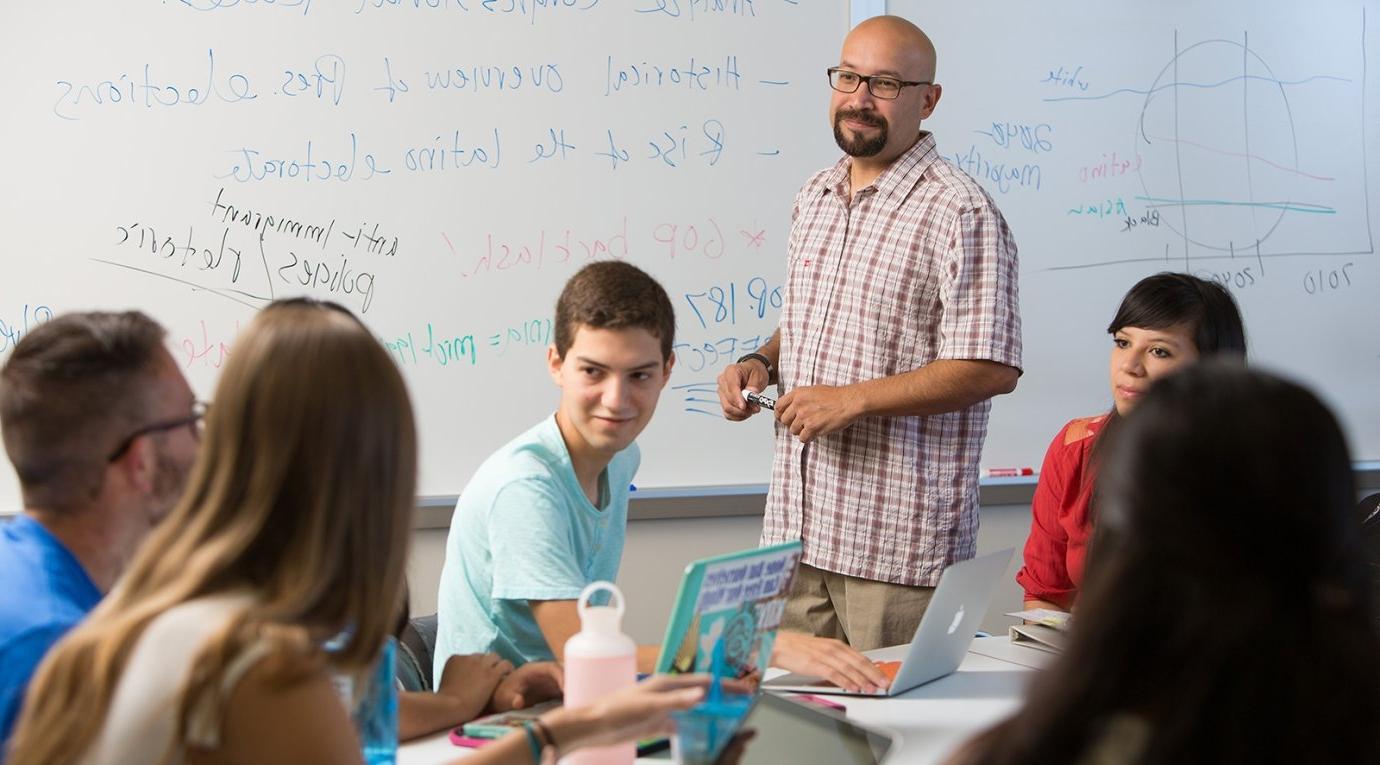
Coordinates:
(735,599)
(788,732)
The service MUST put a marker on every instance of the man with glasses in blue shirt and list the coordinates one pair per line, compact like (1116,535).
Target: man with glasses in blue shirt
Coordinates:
(899,324)
(102,430)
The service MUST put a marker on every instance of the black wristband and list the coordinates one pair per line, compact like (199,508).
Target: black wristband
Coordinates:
(766,362)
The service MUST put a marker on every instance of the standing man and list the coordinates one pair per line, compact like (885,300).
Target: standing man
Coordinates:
(102,429)
(900,322)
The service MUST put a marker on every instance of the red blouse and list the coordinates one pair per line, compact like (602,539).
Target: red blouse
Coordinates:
(1061,526)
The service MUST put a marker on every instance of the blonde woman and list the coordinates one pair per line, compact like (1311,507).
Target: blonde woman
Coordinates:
(294,528)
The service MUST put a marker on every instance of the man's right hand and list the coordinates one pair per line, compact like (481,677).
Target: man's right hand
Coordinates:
(833,660)
(750,375)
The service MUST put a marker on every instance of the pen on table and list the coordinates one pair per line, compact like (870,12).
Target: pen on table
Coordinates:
(753,397)
(1009,472)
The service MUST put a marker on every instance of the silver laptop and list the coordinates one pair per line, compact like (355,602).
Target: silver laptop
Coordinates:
(945,632)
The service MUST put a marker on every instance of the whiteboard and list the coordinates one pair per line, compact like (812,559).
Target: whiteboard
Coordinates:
(442,166)
(1234,140)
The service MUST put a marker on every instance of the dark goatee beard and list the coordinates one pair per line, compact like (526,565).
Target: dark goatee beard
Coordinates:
(860,146)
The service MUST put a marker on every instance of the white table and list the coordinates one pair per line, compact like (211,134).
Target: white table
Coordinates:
(932,719)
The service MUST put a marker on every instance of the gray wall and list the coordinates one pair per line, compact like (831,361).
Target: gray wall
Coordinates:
(657,550)
(668,531)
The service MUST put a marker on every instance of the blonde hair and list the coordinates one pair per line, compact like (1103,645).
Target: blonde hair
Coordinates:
(302,494)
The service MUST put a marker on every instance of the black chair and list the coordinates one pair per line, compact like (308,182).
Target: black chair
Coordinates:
(416,646)
(1368,513)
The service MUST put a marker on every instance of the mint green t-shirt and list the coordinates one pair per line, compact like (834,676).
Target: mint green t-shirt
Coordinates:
(523,530)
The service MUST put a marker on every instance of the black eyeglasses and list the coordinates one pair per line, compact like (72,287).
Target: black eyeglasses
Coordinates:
(195,421)
(878,85)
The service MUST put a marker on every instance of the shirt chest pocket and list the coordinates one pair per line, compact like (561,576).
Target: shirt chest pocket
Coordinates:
(898,280)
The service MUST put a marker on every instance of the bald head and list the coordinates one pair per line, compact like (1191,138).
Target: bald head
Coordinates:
(893,34)
(893,57)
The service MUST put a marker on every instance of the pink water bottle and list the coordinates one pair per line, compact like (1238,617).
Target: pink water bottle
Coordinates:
(599,660)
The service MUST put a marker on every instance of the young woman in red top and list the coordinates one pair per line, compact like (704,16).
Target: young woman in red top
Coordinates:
(1165,321)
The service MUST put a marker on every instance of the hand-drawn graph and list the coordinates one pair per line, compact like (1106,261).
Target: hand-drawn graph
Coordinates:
(1232,171)
(1239,160)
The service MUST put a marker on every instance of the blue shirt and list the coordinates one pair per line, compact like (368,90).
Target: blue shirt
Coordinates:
(44,592)
(523,530)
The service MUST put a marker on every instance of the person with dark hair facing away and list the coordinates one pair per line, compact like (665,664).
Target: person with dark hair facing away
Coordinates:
(546,515)
(102,429)
(1226,615)
(1165,322)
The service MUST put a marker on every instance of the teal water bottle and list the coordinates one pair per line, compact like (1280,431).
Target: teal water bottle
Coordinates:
(376,713)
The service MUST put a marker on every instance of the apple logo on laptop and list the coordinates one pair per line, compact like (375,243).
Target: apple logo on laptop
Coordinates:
(958,617)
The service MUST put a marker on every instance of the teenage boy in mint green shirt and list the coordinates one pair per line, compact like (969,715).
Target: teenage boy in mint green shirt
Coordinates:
(545,515)
(524,531)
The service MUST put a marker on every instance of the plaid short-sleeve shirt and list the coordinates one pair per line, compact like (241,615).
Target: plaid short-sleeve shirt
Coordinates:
(919,266)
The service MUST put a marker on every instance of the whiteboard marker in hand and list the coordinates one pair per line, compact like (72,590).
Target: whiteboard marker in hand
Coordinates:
(753,397)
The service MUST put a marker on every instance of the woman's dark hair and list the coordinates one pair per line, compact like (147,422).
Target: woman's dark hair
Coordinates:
(1169,299)
(1226,602)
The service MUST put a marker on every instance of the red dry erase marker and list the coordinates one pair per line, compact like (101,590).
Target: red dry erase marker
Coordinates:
(1009,472)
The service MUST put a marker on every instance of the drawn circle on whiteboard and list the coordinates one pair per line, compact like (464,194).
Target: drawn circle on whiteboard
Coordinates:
(1218,152)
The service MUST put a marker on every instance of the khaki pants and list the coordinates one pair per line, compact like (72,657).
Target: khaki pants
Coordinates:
(863,613)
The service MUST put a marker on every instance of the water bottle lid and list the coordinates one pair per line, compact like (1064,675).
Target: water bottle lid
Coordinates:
(602,620)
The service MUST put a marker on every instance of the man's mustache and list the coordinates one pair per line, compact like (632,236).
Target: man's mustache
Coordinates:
(871,119)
